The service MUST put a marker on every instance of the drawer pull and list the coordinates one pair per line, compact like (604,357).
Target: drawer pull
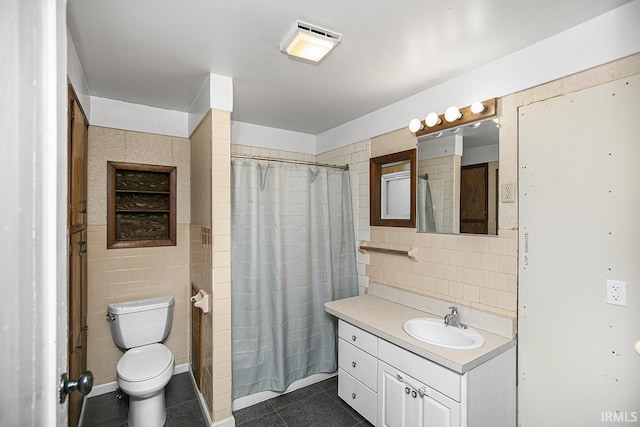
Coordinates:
(414,394)
(353,395)
(353,338)
(353,364)
(406,390)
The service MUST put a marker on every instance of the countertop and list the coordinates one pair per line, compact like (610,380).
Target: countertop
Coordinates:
(385,319)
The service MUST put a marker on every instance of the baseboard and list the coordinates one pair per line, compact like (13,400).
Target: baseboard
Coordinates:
(227,422)
(181,369)
(98,390)
(101,389)
(203,404)
(84,405)
(252,399)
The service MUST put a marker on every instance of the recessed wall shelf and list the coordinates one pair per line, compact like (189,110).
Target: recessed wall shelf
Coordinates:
(141,205)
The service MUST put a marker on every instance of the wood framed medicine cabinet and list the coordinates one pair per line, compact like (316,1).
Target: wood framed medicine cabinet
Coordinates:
(141,205)
(395,175)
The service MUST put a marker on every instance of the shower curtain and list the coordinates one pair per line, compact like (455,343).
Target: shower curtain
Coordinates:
(292,250)
(426,220)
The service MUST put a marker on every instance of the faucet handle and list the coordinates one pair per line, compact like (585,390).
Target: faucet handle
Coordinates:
(454,309)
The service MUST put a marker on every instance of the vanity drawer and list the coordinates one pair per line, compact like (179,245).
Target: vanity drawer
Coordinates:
(358,396)
(358,363)
(356,336)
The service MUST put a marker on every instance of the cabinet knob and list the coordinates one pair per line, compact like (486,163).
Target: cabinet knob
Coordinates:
(406,390)
(353,364)
(353,395)
(353,337)
(414,394)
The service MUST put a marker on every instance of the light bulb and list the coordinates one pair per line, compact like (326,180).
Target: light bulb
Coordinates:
(432,119)
(477,107)
(415,125)
(452,114)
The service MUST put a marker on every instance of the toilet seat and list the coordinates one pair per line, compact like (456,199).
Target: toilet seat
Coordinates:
(144,363)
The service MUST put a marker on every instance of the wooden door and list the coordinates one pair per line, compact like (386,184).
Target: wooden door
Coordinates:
(78,133)
(77,227)
(77,318)
(474,200)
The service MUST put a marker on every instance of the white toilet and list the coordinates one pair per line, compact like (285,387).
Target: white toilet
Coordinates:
(139,327)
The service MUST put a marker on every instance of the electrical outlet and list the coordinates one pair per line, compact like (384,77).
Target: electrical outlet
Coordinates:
(617,292)
(508,192)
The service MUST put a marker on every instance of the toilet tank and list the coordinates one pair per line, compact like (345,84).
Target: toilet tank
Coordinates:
(141,322)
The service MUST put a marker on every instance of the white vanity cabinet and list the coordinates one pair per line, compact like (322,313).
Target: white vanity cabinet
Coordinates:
(483,396)
(393,387)
(358,370)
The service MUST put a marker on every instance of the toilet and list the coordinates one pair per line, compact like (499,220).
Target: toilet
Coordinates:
(139,328)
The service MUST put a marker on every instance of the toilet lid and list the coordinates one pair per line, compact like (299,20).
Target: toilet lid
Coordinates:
(143,363)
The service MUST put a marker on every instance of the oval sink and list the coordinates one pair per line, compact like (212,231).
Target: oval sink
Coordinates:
(435,332)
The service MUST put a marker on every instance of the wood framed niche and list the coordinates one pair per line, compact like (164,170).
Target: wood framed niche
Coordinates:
(141,205)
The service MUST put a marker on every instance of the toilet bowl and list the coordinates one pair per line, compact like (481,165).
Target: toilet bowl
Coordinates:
(148,365)
(143,372)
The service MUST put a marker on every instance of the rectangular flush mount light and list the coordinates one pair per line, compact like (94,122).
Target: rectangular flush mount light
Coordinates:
(309,42)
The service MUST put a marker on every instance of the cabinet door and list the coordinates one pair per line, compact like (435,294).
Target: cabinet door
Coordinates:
(393,397)
(405,402)
(433,413)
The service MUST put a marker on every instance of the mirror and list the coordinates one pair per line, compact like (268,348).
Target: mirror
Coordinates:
(393,189)
(457,185)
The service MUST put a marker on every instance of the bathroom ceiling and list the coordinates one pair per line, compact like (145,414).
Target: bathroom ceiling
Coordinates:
(159,52)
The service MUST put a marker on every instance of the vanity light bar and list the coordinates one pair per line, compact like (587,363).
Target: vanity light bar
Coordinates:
(463,116)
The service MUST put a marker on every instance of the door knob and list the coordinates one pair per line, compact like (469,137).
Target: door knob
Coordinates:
(83,385)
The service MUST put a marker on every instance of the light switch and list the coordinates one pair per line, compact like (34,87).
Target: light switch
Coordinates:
(508,194)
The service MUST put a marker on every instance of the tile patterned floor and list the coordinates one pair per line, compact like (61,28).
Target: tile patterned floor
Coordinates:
(317,405)
(183,408)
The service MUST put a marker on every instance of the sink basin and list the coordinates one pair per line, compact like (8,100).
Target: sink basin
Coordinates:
(435,332)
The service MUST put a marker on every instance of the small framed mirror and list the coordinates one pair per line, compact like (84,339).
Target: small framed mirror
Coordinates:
(393,189)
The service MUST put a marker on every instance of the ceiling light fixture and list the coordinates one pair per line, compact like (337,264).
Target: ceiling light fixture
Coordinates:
(415,125)
(309,42)
(432,119)
(452,114)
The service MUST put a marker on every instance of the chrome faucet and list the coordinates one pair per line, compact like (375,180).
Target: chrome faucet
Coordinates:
(453,319)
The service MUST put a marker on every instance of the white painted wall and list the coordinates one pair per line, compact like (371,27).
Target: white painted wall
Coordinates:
(610,36)
(142,118)
(579,210)
(215,93)
(484,154)
(200,106)
(268,137)
(76,77)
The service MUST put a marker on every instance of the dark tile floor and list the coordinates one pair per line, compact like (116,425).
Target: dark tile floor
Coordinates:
(183,408)
(311,406)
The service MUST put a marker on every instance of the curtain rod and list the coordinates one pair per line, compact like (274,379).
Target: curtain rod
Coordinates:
(300,162)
